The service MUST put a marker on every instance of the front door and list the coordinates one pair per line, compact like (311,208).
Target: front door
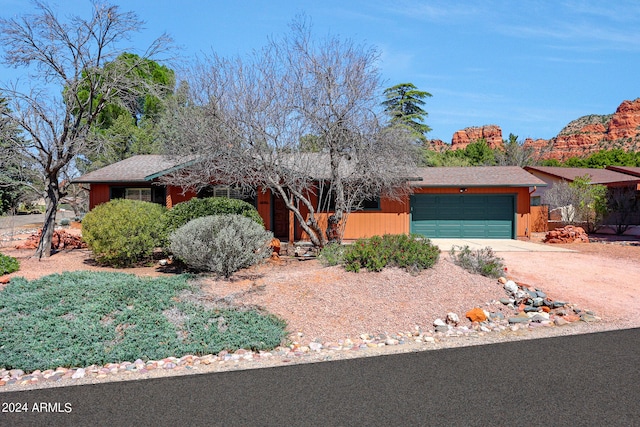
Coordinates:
(280,218)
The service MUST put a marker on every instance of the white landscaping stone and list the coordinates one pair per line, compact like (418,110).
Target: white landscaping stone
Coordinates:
(511,286)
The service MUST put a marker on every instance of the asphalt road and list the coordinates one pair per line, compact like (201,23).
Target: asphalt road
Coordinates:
(12,222)
(580,380)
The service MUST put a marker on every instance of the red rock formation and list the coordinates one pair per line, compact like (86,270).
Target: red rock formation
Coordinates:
(568,234)
(436,145)
(625,123)
(490,133)
(580,138)
(61,240)
(593,133)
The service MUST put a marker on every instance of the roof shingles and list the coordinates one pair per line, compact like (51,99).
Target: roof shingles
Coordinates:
(597,176)
(478,176)
(133,169)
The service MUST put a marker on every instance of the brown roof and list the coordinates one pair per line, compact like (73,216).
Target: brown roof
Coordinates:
(477,176)
(629,170)
(597,176)
(141,168)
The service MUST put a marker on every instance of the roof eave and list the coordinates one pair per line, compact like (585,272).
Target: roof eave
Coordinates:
(169,170)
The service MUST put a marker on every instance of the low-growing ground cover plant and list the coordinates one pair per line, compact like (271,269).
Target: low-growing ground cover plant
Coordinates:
(222,244)
(8,264)
(411,252)
(82,318)
(481,261)
(122,232)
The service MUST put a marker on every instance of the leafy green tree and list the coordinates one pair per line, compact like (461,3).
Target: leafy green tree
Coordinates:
(575,162)
(585,203)
(444,158)
(128,127)
(404,104)
(480,154)
(551,162)
(592,201)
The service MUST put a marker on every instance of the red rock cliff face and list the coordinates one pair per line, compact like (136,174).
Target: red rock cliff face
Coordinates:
(490,133)
(625,123)
(593,133)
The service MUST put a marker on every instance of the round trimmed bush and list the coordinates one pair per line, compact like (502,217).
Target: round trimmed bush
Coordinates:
(222,244)
(184,212)
(123,232)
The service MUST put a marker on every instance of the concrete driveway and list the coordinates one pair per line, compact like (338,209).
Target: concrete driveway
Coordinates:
(498,245)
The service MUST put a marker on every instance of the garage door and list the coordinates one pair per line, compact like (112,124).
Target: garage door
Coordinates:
(463,215)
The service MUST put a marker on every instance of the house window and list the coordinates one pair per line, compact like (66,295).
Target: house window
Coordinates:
(228,191)
(155,194)
(143,194)
(535,201)
(372,203)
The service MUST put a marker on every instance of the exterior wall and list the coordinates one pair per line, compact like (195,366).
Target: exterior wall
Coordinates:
(539,218)
(175,196)
(98,194)
(523,210)
(263,200)
(392,218)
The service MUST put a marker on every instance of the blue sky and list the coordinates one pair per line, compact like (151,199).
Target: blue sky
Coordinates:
(529,67)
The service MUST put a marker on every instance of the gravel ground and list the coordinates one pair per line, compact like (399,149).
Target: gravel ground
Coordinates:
(333,314)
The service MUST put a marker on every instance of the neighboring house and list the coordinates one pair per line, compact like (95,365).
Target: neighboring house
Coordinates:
(611,177)
(474,202)
(629,170)
(552,175)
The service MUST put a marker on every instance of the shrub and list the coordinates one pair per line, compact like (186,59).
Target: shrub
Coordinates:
(332,254)
(412,253)
(83,318)
(481,261)
(123,232)
(8,264)
(222,244)
(184,212)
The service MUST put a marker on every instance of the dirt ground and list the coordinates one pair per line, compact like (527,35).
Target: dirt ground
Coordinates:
(327,304)
(603,277)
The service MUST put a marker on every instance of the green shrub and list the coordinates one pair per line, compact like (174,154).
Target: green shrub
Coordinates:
(184,212)
(123,232)
(222,244)
(481,261)
(83,318)
(8,264)
(332,254)
(412,253)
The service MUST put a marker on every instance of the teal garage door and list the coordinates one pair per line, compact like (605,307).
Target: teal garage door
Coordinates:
(478,216)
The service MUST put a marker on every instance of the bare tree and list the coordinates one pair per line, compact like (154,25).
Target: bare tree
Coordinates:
(247,121)
(515,153)
(73,76)
(622,207)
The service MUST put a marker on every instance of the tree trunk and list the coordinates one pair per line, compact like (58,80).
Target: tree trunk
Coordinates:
(52,197)
(309,226)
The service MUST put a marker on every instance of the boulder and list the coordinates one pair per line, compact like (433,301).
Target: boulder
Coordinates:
(476,315)
(567,234)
